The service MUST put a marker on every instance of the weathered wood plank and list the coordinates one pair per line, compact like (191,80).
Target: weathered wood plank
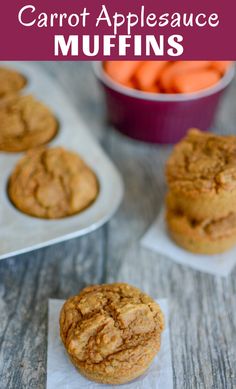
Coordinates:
(26,284)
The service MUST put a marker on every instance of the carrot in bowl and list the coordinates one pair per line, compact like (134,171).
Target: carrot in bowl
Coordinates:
(153,89)
(195,80)
(121,71)
(166,76)
(148,74)
(129,84)
(221,66)
(179,67)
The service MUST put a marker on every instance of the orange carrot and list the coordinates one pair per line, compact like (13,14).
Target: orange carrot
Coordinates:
(121,71)
(179,67)
(129,84)
(153,89)
(148,73)
(221,66)
(195,80)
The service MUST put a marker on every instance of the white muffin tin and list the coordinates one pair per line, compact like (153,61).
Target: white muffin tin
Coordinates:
(21,233)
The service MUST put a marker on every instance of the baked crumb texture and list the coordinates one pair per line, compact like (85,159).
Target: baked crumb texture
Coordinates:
(52,183)
(10,81)
(201,201)
(25,123)
(111,332)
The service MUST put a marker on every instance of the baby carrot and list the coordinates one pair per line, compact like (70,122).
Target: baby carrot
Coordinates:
(121,71)
(195,80)
(148,73)
(153,89)
(221,66)
(129,84)
(179,67)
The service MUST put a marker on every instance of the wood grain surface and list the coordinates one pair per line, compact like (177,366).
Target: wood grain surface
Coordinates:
(202,307)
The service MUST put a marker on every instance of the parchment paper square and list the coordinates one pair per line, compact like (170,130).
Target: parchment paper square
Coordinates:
(61,374)
(157,239)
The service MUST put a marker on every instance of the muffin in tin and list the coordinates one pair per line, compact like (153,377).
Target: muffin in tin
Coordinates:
(25,123)
(11,81)
(52,183)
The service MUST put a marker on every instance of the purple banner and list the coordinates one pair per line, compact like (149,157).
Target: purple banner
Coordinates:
(132,29)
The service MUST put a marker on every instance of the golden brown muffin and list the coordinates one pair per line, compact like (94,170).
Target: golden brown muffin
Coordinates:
(210,236)
(111,332)
(52,183)
(10,81)
(201,175)
(25,123)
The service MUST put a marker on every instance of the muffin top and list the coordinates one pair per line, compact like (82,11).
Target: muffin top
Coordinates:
(10,81)
(110,327)
(25,123)
(202,162)
(52,183)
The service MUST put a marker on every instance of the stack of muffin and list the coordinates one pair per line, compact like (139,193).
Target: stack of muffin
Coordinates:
(201,201)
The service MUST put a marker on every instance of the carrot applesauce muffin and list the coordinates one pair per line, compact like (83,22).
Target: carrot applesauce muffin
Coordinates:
(111,332)
(52,183)
(201,175)
(202,237)
(25,123)
(10,81)
(201,201)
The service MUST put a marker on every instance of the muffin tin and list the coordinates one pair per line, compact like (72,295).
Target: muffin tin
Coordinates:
(21,233)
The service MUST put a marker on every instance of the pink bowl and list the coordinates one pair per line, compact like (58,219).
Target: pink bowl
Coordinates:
(159,118)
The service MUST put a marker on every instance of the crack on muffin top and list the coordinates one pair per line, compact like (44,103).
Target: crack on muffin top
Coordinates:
(203,162)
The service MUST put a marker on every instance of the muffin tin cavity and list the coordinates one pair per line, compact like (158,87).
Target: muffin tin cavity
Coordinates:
(25,123)
(52,183)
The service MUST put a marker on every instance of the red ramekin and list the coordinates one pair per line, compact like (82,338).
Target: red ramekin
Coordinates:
(160,118)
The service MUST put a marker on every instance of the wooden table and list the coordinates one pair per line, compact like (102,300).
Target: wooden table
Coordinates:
(202,307)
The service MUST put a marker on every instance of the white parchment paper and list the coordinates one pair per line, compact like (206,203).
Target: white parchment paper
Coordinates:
(157,239)
(61,374)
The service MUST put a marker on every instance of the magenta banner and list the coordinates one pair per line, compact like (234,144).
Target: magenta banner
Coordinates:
(132,29)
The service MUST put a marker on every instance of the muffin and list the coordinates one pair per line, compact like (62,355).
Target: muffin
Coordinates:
(10,81)
(25,123)
(111,332)
(201,176)
(202,237)
(201,201)
(52,183)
